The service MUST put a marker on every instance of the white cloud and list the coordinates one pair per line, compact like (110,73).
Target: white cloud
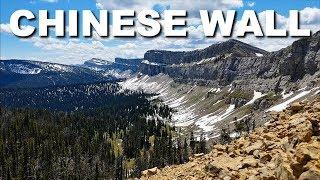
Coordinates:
(251,3)
(310,15)
(282,21)
(5,28)
(50,1)
(99,6)
(176,4)
(127,46)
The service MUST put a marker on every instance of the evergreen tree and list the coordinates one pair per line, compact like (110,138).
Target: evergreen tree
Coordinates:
(192,143)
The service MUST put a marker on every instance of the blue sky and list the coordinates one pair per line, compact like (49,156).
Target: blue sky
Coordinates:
(76,50)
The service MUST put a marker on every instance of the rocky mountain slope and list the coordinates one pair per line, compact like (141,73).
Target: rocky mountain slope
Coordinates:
(176,57)
(231,81)
(24,73)
(239,64)
(287,147)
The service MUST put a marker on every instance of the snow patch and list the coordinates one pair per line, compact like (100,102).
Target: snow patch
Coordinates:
(256,96)
(240,119)
(234,135)
(216,90)
(176,103)
(54,67)
(21,69)
(149,63)
(207,122)
(284,105)
(204,61)
(285,96)
(118,74)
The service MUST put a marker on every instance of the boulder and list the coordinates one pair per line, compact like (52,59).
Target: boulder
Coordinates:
(198,155)
(212,169)
(265,158)
(317,107)
(296,107)
(310,175)
(306,152)
(248,162)
(284,172)
(256,146)
(150,172)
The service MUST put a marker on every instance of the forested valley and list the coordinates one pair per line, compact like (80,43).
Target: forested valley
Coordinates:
(92,131)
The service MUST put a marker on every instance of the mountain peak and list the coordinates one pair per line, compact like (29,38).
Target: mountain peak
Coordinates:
(236,46)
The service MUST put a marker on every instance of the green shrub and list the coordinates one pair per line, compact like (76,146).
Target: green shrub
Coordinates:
(238,94)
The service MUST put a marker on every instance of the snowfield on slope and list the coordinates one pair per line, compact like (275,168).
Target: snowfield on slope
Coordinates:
(161,85)
(257,95)
(207,122)
(285,104)
(186,113)
(21,69)
(196,106)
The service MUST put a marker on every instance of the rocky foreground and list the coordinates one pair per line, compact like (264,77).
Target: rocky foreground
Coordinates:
(287,147)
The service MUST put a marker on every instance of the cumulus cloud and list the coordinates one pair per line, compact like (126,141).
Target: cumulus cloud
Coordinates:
(5,28)
(251,3)
(310,15)
(175,4)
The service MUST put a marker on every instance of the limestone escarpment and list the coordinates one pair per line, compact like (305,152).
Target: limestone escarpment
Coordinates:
(237,63)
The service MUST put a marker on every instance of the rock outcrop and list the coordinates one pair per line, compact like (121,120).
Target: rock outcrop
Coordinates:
(287,147)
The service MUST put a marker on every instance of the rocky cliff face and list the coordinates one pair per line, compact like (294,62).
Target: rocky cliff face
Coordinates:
(287,147)
(237,63)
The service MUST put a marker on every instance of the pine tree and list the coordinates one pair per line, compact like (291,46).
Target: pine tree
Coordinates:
(192,143)
(202,144)
(185,151)
(224,136)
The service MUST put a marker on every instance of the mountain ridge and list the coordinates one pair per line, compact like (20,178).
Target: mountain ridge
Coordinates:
(177,57)
(119,64)
(26,73)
